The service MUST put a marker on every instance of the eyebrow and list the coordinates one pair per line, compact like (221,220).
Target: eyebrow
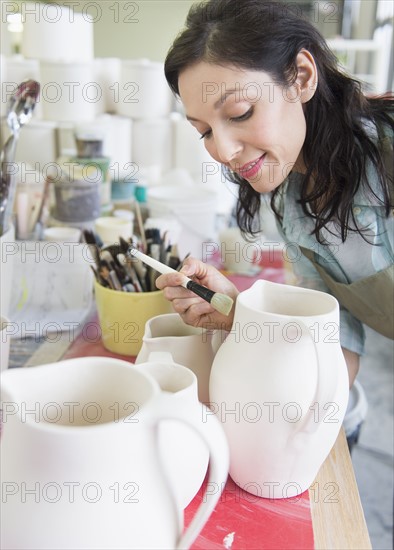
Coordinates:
(224,96)
(217,103)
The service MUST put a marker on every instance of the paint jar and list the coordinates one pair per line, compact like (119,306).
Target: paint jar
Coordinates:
(140,192)
(91,148)
(89,138)
(122,191)
(76,201)
(89,167)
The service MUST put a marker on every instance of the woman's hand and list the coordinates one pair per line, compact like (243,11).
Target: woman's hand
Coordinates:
(353,364)
(194,310)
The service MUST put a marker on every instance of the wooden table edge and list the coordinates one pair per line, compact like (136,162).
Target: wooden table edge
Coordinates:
(337,515)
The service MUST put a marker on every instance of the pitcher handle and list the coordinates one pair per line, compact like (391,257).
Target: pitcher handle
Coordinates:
(212,433)
(325,386)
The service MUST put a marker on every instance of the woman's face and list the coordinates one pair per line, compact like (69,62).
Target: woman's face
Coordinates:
(251,125)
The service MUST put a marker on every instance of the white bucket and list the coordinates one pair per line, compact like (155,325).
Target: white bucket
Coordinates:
(194,208)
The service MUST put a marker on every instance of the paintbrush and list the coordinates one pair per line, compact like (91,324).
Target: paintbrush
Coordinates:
(131,272)
(220,302)
(90,240)
(140,224)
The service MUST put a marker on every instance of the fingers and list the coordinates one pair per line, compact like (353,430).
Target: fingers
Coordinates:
(194,310)
(193,307)
(191,268)
(190,306)
(204,321)
(194,268)
(181,298)
(169,280)
(203,315)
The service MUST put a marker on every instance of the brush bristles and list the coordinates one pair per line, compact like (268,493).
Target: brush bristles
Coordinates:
(222,303)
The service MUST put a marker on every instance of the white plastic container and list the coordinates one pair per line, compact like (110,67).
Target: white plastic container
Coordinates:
(62,234)
(143,90)
(110,228)
(194,208)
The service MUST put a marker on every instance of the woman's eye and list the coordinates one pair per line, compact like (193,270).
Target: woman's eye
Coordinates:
(206,134)
(240,118)
(245,116)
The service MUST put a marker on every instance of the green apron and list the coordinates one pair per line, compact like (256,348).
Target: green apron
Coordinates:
(371,300)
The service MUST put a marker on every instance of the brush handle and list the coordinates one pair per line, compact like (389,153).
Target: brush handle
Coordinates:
(148,260)
(200,290)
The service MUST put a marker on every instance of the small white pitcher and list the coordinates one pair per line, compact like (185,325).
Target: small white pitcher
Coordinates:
(192,347)
(185,454)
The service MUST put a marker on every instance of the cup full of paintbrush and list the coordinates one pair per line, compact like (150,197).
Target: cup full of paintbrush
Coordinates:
(123,315)
(125,297)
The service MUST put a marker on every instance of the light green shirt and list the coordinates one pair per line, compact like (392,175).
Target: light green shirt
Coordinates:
(345,262)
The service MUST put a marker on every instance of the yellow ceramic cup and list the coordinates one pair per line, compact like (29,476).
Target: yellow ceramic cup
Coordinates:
(122,316)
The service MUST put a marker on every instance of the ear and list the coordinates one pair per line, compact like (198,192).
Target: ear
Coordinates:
(306,75)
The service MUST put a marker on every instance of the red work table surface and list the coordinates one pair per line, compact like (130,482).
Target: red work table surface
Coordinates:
(327,516)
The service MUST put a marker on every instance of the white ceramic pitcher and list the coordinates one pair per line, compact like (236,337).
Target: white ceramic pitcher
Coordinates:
(190,346)
(80,461)
(185,454)
(279,385)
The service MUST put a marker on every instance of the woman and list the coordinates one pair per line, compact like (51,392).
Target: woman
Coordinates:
(265,94)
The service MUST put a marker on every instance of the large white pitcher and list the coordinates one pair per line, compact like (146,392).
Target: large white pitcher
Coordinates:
(81,467)
(279,385)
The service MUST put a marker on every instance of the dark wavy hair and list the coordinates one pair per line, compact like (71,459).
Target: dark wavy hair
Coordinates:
(267,36)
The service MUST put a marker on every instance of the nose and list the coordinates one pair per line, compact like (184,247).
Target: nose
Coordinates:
(226,147)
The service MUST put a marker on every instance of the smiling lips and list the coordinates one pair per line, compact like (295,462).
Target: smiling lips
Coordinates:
(251,169)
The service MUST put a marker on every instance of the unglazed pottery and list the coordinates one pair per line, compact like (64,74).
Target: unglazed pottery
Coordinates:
(185,454)
(80,462)
(192,347)
(279,385)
